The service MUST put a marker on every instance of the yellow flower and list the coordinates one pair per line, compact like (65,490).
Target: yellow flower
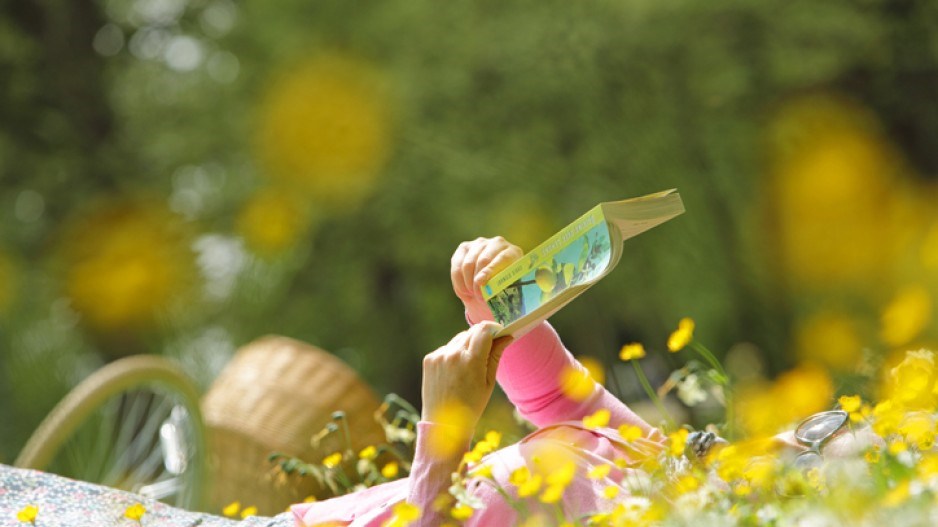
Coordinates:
(231,510)
(562,475)
(632,351)
(485,446)
(886,418)
(760,471)
(611,492)
(248,512)
(403,514)
(453,436)
(332,460)
(599,472)
(682,336)
(461,512)
(742,489)
(630,432)
(390,470)
(493,438)
(912,382)
(849,403)
(28,514)
(552,493)
(135,511)
(677,442)
(918,428)
(897,447)
(325,129)
(927,467)
(685,484)
(597,420)
(309,499)
(898,495)
(577,383)
(530,486)
(442,502)
(369,453)
(519,476)
(407,511)
(483,471)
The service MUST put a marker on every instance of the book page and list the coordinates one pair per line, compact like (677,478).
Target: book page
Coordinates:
(635,216)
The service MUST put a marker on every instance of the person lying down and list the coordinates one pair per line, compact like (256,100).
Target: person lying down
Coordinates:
(573,453)
(584,458)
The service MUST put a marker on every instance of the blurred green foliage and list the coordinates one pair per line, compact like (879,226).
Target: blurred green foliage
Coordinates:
(488,118)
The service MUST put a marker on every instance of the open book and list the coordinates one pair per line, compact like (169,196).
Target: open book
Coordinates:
(569,262)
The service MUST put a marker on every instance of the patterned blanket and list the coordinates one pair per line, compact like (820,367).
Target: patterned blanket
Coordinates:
(46,500)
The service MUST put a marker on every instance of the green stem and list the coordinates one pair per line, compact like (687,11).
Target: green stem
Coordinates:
(709,357)
(651,394)
(346,434)
(727,391)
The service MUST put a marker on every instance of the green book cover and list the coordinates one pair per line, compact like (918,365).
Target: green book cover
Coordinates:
(566,264)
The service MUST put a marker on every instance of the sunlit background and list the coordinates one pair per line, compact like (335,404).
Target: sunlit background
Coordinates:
(181,177)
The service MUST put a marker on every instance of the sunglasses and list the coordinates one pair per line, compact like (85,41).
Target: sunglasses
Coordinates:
(814,432)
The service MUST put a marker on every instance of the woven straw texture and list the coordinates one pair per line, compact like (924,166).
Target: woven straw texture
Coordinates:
(274,395)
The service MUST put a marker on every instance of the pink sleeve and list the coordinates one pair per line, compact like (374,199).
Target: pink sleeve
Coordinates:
(430,475)
(530,374)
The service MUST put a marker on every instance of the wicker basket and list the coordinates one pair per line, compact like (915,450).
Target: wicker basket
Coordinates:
(273,396)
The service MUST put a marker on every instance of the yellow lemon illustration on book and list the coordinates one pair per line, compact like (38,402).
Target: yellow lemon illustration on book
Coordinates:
(545,278)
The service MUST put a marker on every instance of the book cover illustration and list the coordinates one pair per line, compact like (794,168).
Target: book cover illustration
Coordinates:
(581,260)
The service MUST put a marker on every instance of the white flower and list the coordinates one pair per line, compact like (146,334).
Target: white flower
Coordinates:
(689,390)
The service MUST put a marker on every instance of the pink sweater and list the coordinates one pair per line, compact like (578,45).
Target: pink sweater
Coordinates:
(529,373)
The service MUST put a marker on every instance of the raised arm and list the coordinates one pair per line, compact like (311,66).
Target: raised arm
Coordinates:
(533,367)
(533,372)
(458,380)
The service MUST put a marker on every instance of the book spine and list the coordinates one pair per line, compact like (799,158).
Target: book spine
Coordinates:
(543,252)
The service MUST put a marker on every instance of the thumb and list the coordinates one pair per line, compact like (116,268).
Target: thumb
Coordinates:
(495,355)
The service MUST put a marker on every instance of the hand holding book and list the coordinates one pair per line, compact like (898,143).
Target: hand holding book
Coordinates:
(473,263)
(521,290)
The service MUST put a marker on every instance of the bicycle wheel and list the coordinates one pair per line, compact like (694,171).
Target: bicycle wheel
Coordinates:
(134,424)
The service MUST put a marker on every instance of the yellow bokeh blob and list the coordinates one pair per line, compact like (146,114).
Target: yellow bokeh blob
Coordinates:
(273,221)
(906,315)
(324,128)
(125,263)
(841,214)
(524,222)
(830,337)
(806,389)
(455,423)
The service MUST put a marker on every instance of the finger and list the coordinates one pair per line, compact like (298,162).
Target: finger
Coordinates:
(480,341)
(458,343)
(502,260)
(469,263)
(489,252)
(455,270)
(495,355)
